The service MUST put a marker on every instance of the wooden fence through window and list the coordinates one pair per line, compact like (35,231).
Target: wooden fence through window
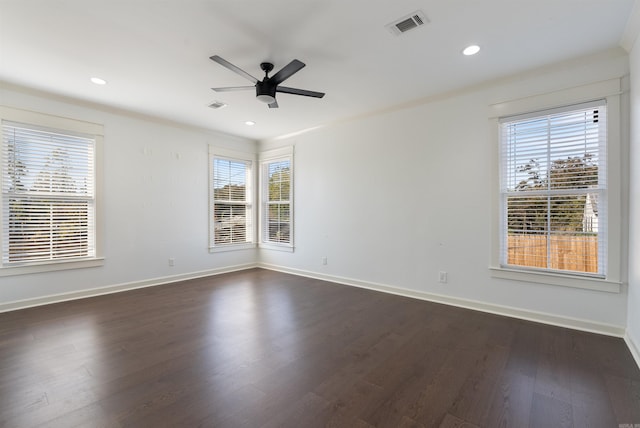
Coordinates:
(566,252)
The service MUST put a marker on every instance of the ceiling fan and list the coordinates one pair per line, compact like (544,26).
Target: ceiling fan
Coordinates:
(267,87)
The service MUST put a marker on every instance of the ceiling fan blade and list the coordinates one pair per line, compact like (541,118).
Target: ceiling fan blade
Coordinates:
(296,91)
(273,104)
(233,88)
(235,69)
(287,71)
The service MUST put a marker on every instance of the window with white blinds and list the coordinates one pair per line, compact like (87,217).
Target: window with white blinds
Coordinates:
(231,221)
(277,188)
(553,190)
(48,195)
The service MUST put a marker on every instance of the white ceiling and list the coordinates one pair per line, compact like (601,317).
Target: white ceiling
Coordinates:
(155,53)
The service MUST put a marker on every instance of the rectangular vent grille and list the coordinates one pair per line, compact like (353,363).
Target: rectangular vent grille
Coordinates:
(406,23)
(217,104)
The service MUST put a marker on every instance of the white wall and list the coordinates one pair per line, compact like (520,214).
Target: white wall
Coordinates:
(394,198)
(155,200)
(633,322)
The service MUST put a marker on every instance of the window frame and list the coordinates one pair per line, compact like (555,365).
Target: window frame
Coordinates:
(266,158)
(610,91)
(248,159)
(509,153)
(65,126)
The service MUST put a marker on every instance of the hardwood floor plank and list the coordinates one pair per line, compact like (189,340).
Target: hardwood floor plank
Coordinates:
(451,421)
(424,388)
(550,412)
(555,367)
(511,404)
(92,416)
(309,411)
(474,401)
(592,410)
(353,401)
(625,398)
(524,350)
(343,380)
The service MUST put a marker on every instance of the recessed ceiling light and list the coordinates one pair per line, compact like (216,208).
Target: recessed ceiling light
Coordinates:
(98,81)
(471,50)
(249,123)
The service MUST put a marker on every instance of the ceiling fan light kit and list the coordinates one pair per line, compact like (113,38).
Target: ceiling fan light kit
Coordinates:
(267,87)
(266,98)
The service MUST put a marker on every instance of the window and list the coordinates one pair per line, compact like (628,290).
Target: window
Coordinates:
(553,190)
(231,208)
(277,198)
(49,197)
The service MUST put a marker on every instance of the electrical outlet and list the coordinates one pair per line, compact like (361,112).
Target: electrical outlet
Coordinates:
(442,277)
(324,260)
(171,261)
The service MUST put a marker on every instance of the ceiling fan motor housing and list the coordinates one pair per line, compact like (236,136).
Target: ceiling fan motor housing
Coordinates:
(266,91)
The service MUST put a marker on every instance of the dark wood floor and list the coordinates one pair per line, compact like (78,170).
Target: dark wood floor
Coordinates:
(261,348)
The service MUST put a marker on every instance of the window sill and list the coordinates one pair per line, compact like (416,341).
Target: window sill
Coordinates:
(548,278)
(232,247)
(51,266)
(276,247)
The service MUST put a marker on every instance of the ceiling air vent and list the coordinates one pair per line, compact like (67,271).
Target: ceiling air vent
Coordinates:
(217,105)
(406,23)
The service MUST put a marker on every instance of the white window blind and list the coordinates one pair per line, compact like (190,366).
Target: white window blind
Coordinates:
(48,195)
(232,218)
(277,195)
(554,190)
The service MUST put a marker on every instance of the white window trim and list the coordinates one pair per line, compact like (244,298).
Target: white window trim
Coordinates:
(218,152)
(74,126)
(611,91)
(265,158)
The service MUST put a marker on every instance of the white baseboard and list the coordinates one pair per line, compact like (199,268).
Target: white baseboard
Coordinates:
(633,348)
(541,317)
(117,288)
